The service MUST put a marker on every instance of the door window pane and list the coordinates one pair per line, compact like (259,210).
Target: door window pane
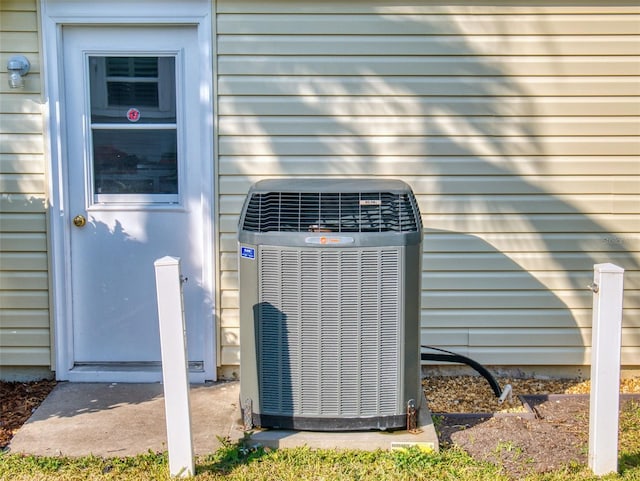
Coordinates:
(119,84)
(135,161)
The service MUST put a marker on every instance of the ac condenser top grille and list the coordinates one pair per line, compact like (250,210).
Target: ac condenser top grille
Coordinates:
(331,212)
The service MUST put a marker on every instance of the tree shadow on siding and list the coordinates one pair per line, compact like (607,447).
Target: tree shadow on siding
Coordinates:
(475,158)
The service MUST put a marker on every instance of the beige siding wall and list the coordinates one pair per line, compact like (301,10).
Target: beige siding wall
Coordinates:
(516,126)
(24,315)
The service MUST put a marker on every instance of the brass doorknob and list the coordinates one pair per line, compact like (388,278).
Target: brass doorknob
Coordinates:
(79,221)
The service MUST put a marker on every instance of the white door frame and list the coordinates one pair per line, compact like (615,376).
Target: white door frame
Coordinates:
(54,15)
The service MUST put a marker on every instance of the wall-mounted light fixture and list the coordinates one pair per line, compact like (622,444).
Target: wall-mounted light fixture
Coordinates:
(18,66)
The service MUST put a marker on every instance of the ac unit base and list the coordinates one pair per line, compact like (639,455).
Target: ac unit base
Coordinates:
(387,423)
(299,423)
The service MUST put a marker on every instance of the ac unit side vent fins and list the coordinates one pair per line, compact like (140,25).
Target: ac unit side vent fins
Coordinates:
(332,212)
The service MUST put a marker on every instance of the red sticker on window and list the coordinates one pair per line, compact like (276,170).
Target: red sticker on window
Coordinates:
(133,115)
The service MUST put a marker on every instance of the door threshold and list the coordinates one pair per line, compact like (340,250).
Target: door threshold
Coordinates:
(129,372)
(194,366)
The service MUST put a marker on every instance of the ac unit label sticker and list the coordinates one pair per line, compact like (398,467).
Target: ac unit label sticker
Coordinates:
(329,240)
(248,252)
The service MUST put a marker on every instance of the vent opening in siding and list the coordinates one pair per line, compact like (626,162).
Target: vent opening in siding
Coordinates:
(331,212)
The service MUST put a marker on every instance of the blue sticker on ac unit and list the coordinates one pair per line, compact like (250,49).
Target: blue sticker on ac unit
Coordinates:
(248,252)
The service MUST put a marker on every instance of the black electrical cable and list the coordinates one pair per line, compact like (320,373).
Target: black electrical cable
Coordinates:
(448,356)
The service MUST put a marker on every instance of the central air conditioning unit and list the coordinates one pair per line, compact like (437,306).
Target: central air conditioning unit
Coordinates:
(330,304)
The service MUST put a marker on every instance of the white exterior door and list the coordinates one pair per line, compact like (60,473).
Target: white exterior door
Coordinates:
(135,183)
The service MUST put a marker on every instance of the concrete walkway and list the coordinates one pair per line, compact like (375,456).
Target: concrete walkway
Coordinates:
(113,420)
(78,419)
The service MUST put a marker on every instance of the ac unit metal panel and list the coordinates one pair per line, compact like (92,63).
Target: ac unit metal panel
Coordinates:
(329,327)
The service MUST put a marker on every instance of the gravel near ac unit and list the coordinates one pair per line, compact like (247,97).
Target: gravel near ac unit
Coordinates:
(472,394)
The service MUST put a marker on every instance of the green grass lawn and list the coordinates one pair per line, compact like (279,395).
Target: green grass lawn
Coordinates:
(232,462)
(235,462)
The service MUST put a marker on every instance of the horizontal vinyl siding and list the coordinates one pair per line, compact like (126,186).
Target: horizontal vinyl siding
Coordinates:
(517,127)
(25,338)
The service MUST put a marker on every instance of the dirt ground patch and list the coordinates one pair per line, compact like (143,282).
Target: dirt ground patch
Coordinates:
(557,437)
(525,445)
(552,433)
(18,400)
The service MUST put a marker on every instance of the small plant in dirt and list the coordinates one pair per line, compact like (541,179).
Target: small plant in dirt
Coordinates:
(230,455)
(507,447)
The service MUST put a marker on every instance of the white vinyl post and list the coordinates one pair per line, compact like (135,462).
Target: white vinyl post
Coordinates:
(175,371)
(605,368)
